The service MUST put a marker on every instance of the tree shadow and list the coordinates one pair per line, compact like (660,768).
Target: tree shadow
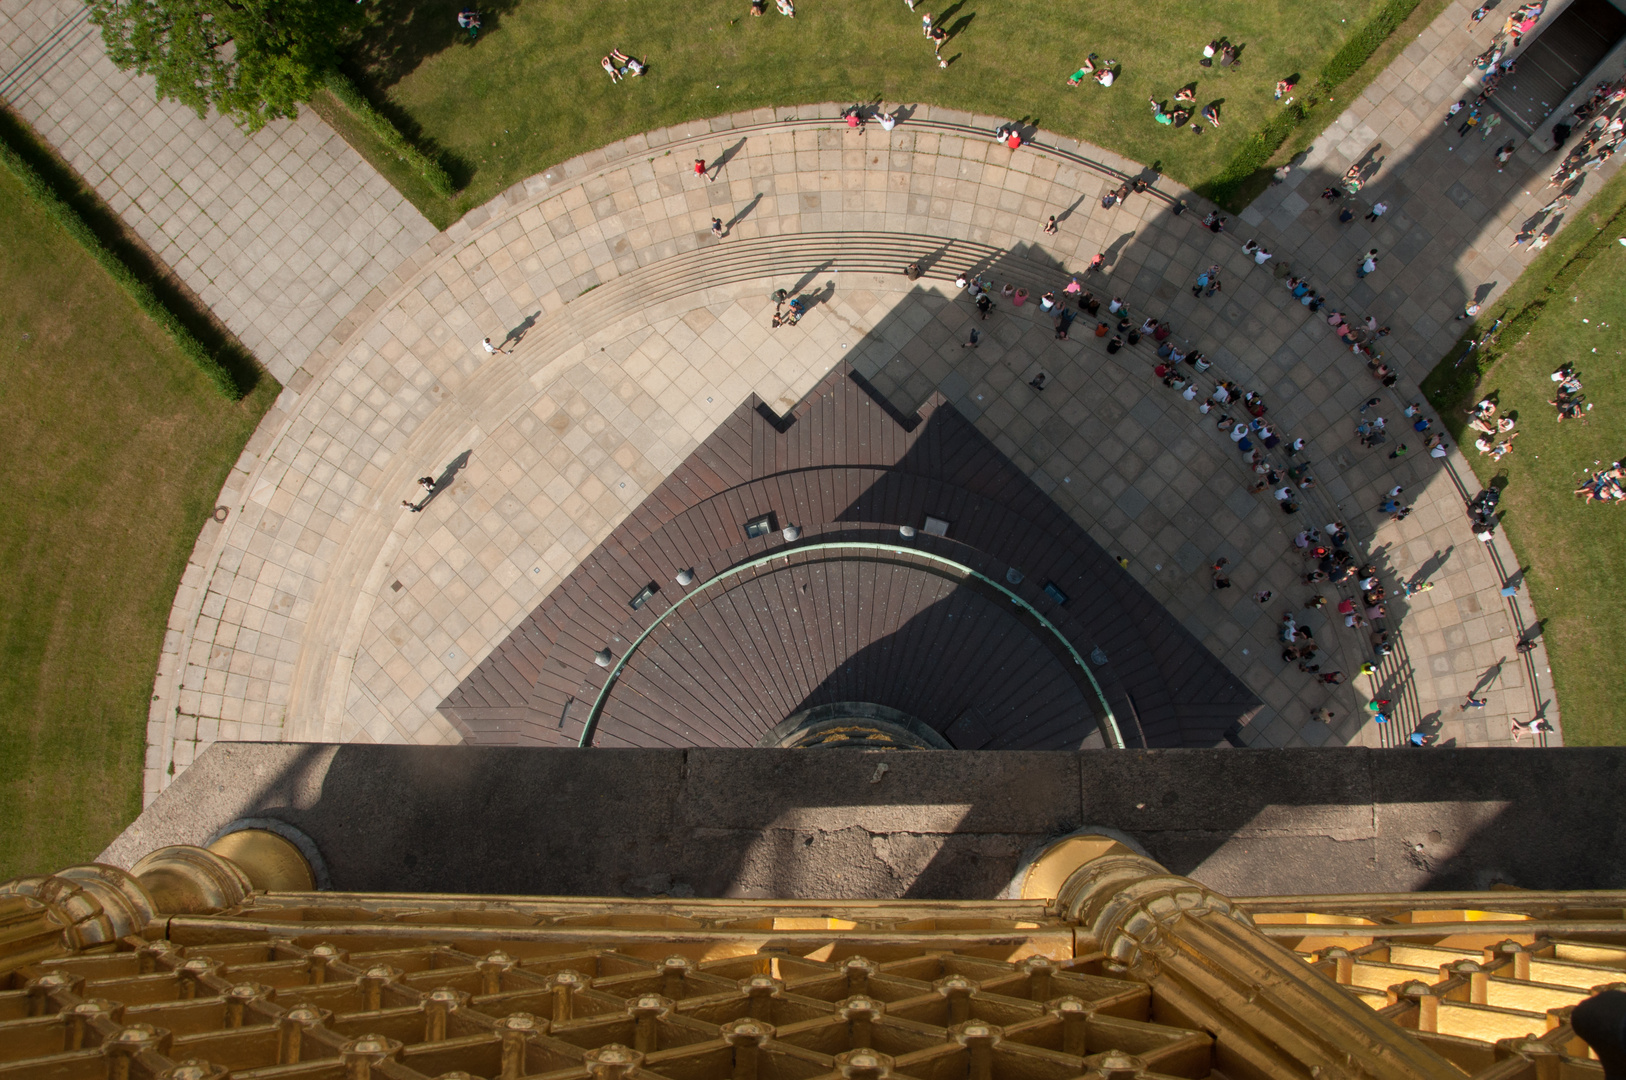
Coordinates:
(401,34)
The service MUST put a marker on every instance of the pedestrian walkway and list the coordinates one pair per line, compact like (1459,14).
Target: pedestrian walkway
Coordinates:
(322,610)
(279,233)
(319,609)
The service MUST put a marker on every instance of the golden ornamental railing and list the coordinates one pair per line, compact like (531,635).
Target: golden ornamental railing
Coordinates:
(205,964)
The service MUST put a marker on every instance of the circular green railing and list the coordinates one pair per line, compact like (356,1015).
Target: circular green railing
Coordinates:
(1109,722)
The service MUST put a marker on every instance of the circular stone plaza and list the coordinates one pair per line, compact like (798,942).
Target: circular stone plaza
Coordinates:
(317,607)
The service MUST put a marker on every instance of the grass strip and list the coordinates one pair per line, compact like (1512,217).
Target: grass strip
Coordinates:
(69,220)
(434,174)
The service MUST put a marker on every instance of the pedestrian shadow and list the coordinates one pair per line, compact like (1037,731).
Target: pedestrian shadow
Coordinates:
(517,334)
(820,296)
(1067,213)
(961,25)
(808,278)
(1431,565)
(742,213)
(928,261)
(721,160)
(1490,676)
(444,480)
(1483,291)
(1116,249)
(903,112)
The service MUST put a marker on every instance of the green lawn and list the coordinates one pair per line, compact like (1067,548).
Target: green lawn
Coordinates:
(1574,303)
(530,93)
(115,447)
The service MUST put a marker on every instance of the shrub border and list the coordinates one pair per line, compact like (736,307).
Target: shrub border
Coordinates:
(1259,147)
(434,174)
(41,191)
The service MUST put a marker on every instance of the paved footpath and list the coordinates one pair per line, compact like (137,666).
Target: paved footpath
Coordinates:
(321,610)
(279,233)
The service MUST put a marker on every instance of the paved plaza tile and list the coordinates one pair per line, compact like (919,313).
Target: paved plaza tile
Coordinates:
(331,613)
(321,609)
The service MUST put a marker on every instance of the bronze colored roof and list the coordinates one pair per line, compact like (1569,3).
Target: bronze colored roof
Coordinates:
(938,627)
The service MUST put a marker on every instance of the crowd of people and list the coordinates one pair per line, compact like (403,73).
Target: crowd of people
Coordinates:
(1278,462)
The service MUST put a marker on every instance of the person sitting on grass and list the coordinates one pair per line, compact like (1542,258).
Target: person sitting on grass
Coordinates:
(1101,73)
(1158,114)
(1186,95)
(758,7)
(1211,114)
(469,20)
(632,64)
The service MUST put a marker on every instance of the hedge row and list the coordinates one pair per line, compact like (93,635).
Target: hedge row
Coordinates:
(1261,146)
(433,173)
(64,215)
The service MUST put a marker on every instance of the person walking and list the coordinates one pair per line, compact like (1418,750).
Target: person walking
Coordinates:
(700,169)
(1473,703)
(1469,311)
(1050,226)
(1222,580)
(1368,264)
(971,342)
(491,350)
(1377,211)
(717,227)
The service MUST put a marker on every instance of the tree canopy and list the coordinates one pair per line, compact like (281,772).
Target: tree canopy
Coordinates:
(253,60)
